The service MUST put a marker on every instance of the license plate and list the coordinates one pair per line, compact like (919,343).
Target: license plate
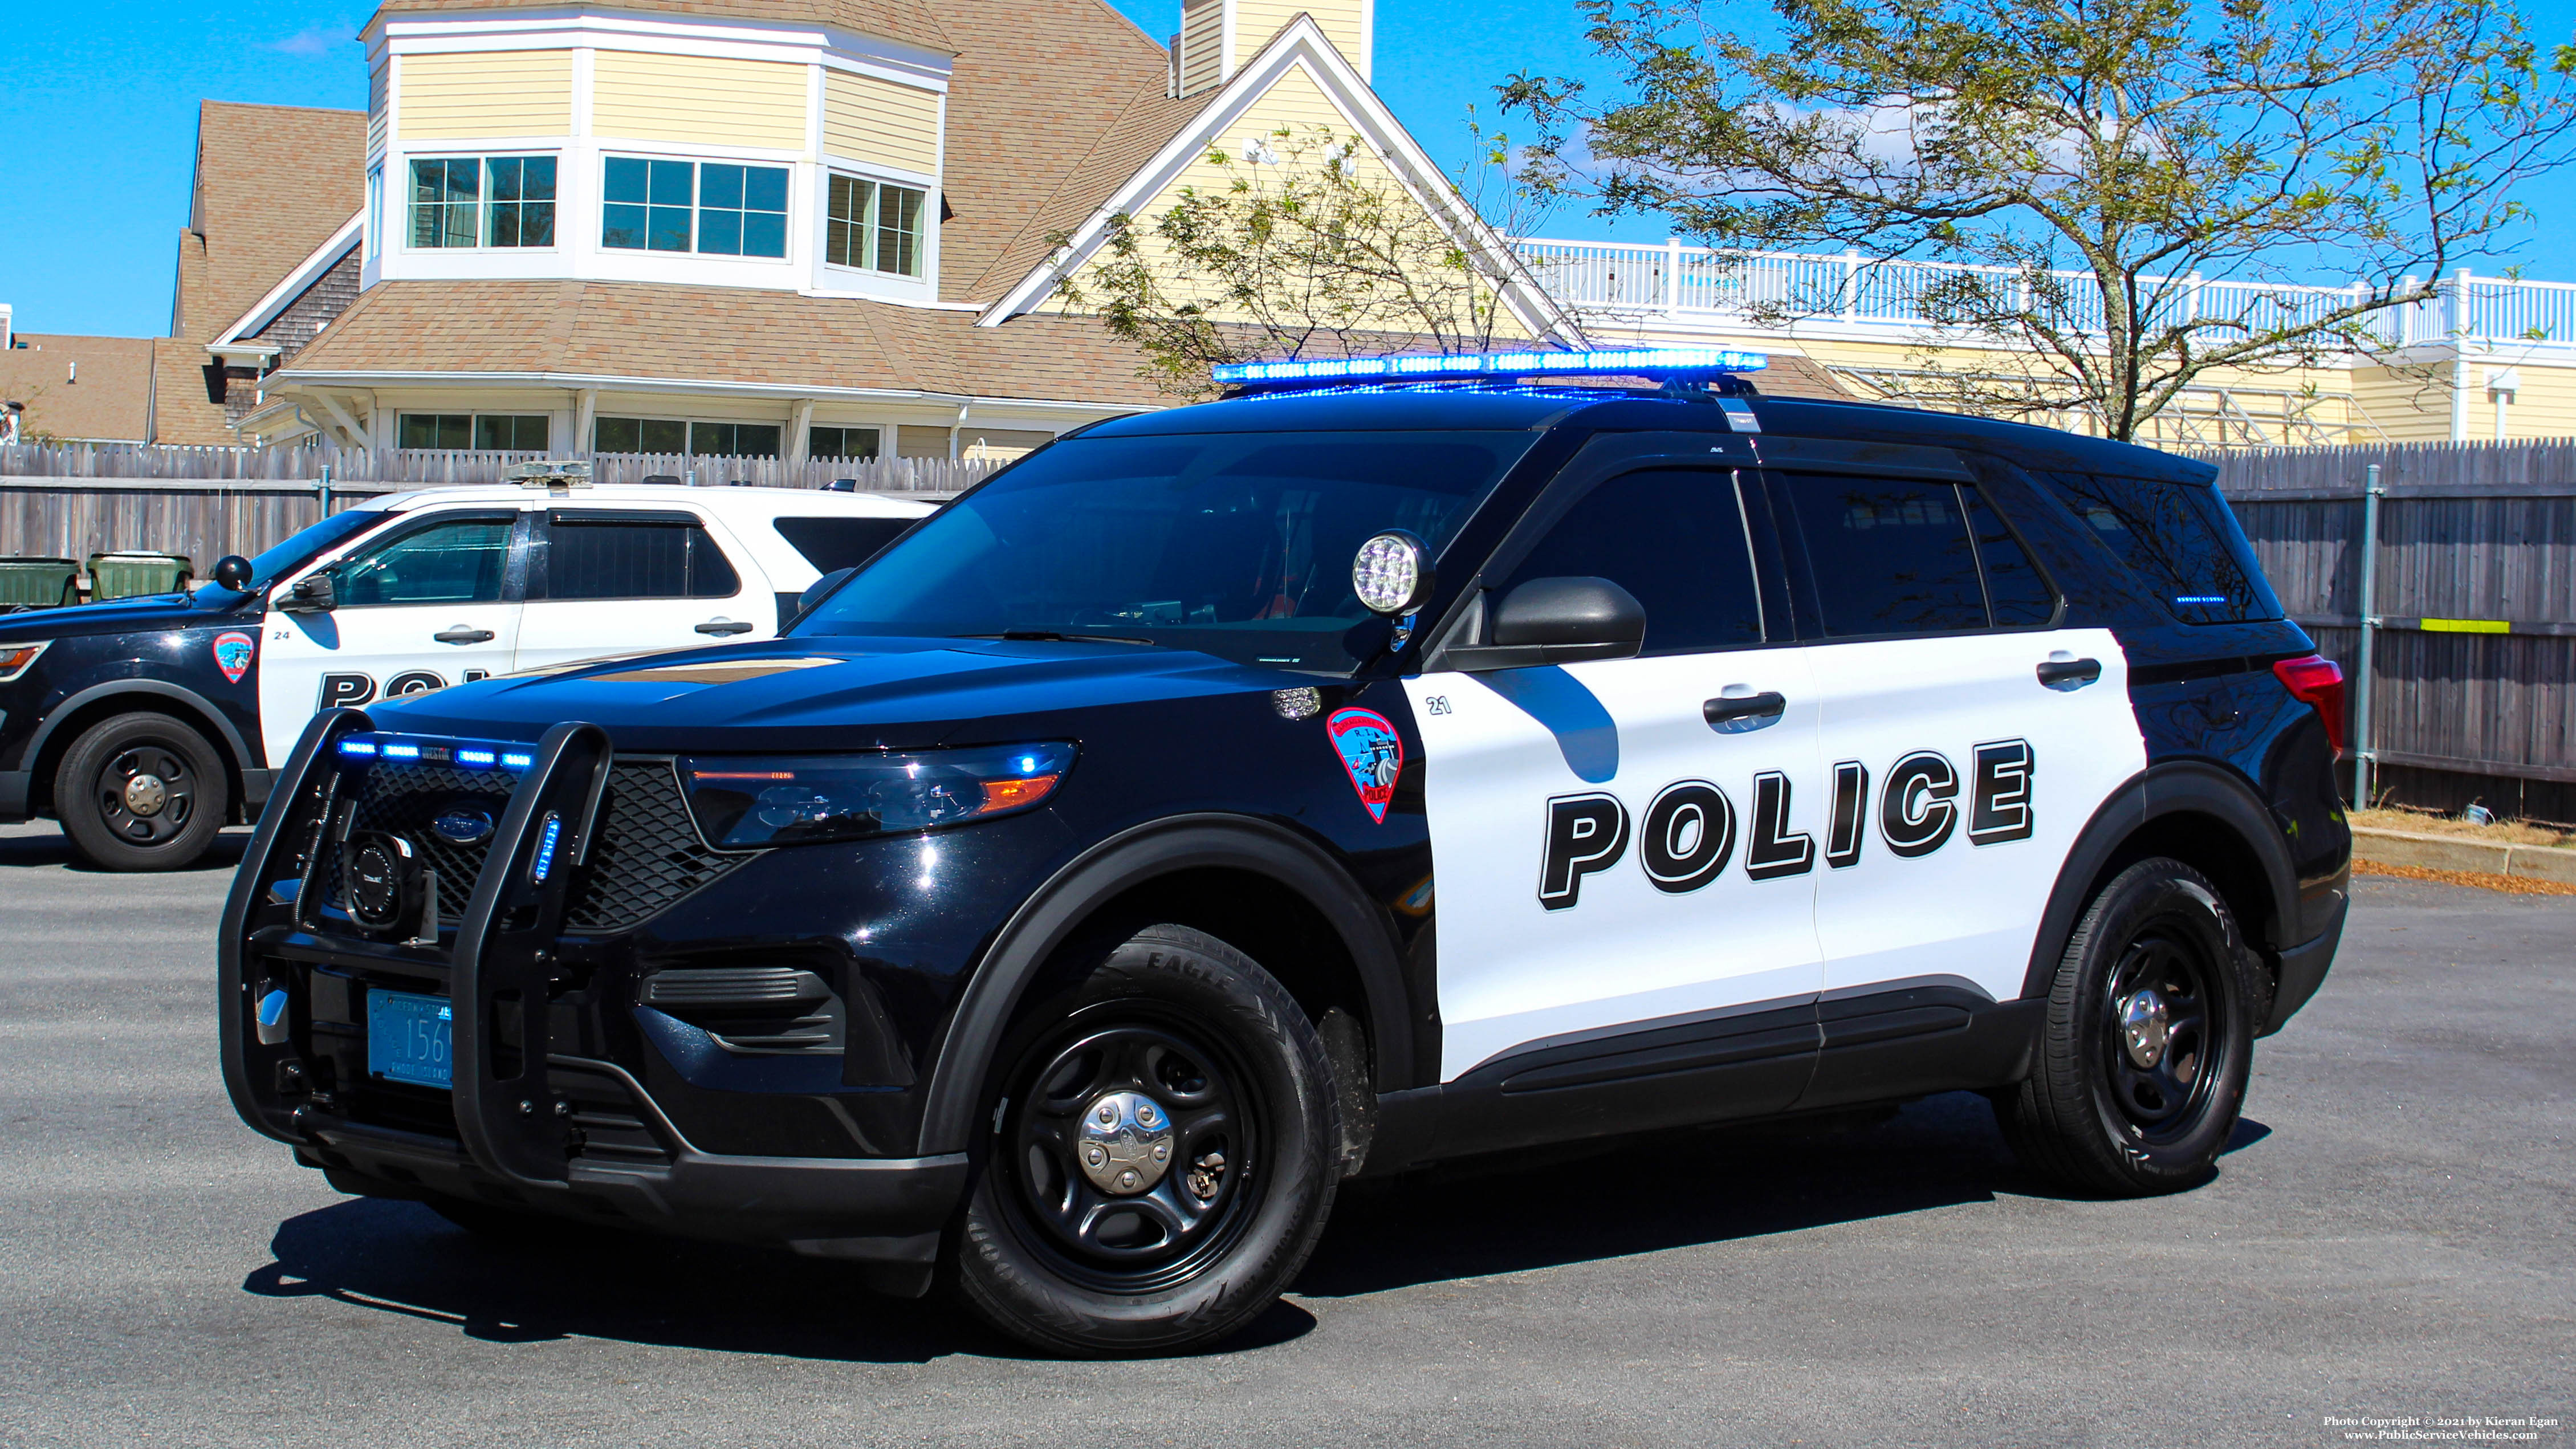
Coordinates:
(409,1038)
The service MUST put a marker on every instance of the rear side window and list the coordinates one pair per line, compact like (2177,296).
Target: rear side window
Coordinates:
(2179,539)
(1673,538)
(1888,555)
(839,543)
(2015,592)
(607,557)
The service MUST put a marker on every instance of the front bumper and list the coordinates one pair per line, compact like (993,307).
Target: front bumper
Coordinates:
(531,1122)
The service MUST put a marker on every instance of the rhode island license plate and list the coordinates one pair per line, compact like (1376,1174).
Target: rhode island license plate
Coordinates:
(409,1037)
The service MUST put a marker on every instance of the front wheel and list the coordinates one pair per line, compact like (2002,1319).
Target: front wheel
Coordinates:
(2149,1040)
(141,792)
(1161,1155)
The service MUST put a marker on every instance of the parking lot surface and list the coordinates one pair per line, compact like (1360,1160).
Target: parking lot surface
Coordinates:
(2394,1234)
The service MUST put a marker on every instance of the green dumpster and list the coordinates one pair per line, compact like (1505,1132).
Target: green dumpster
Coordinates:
(38,583)
(124,574)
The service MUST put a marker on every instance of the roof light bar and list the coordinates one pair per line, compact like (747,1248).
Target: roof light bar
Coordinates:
(1631,361)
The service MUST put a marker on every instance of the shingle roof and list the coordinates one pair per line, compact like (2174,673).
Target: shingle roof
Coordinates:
(111,398)
(272,183)
(720,334)
(1047,97)
(905,20)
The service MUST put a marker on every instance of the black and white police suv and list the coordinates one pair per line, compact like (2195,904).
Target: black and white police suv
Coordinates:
(146,725)
(1225,802)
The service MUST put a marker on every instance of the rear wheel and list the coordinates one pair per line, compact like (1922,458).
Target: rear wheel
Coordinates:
(141,792)
(2149,1040)
(1163,1132)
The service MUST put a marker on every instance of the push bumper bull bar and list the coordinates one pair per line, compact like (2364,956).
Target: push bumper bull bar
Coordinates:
(514,1140)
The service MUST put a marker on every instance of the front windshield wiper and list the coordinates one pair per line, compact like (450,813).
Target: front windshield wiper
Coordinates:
(1059,635)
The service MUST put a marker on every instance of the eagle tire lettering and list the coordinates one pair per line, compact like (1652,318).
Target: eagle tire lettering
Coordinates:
(1687,836)
(1915,813)
(1586,834)
(1999,797)
(343,691)
(1775,851)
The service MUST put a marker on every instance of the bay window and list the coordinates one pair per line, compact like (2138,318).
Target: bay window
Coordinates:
(712,208)
(874,226)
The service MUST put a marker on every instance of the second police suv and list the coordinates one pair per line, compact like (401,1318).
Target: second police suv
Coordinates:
(1226,802)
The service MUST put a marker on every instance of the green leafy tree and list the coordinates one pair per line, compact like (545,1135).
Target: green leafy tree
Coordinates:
(1312,246)
(2091,166)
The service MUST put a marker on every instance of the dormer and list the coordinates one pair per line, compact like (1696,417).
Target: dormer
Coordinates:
(1218,36)
(700,144)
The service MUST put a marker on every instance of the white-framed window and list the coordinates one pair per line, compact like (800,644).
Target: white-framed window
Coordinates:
(832,441)
(488,432)
(874,226)
(677,435)
(713,208)
(482,201)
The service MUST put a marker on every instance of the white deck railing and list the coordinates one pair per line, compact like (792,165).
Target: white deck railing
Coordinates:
(1696,285)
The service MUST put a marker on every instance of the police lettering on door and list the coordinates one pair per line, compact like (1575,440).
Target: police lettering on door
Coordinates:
(347,691)
(1687,834)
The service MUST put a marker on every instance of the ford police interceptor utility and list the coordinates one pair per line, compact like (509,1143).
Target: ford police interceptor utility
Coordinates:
(146,725)
(1225,802)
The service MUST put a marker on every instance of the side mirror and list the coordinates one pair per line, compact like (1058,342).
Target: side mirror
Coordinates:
(315,593)
(814,593)
(233,572)
(1558,621)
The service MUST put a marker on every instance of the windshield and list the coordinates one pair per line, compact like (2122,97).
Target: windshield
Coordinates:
(296,550)
(1239,545)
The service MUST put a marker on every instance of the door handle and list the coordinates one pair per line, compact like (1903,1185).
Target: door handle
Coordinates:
(1739,714)
(2064,672)
(461,634)
(721,625)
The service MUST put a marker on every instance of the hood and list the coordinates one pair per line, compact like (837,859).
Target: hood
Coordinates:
(825,693)
(119,616)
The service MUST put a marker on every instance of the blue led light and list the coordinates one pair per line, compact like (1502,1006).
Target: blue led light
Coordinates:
(1525,363)
(545,862)
(466,756)
(401,752)
(516,761)
(357,747)
(272,1008)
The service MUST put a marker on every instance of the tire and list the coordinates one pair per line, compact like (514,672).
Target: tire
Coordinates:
(141,791)
(2100,1115)
(1075,1238)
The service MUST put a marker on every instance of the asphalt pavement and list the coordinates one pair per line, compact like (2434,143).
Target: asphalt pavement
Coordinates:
(2391,1237)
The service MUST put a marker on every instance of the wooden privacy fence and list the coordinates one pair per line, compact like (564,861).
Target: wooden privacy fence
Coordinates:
(208,517)
(2476,593)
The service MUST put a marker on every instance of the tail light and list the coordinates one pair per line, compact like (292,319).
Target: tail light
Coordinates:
(2318,681)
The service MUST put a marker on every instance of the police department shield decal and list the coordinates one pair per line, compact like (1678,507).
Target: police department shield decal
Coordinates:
(1372,752)
(233,655)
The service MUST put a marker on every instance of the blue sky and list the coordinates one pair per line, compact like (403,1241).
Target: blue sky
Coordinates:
(98,120)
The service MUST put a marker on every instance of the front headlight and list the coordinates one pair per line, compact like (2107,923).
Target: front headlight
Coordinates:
(15,658)
(745,801)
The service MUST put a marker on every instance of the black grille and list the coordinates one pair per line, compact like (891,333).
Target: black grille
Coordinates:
(402,798)
(646,857)
(647,854)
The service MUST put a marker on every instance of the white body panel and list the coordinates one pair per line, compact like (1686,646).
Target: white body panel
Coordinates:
(1512,969)
(1964,907)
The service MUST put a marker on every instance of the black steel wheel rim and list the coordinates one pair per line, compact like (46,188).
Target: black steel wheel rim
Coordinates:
(2162,1099)
(146,794)
(1134,1241)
